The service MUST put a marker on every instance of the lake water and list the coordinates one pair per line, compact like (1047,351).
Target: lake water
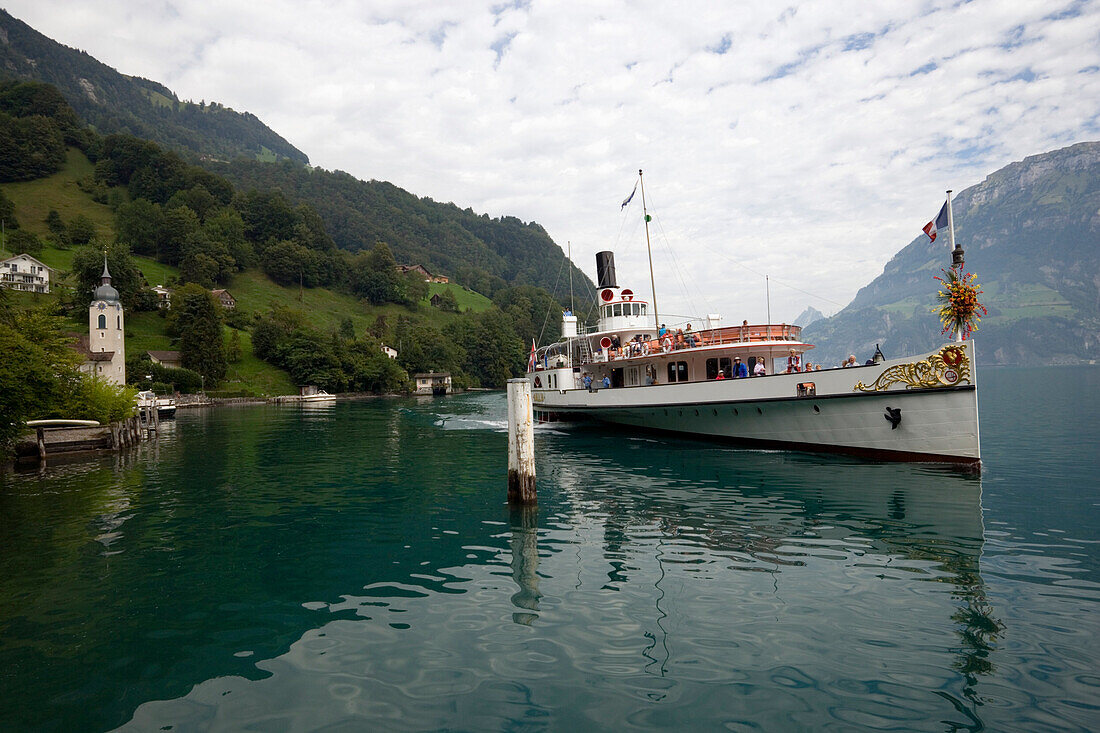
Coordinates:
(355,568)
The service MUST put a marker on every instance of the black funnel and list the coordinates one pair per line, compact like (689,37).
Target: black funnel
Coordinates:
(605,269)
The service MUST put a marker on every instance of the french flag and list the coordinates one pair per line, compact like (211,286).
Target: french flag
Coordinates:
(940,222)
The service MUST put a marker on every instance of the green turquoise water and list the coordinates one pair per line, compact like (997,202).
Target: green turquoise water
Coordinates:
(355,568)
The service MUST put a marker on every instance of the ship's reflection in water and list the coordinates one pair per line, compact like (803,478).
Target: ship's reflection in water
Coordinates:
(661,583)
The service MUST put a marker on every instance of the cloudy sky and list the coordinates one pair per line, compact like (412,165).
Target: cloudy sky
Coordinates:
(808,141)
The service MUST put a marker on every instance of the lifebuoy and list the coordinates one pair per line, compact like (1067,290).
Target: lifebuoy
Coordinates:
(627,294)
(606,295)
(605,342)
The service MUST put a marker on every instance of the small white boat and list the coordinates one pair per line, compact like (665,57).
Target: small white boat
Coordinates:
(318,396)
(165,406)
(57,422)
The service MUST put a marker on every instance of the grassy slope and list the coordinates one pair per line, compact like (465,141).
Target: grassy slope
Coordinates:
(34,199)
(254,292)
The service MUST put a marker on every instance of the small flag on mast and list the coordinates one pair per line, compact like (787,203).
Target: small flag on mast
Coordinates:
(940,222)
(627,199)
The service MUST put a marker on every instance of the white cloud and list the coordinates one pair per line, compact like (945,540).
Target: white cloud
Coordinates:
(812,147)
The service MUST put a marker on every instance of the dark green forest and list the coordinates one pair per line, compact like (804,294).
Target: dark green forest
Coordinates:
(483,253)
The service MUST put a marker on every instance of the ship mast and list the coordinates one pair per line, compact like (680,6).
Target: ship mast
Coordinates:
(956,254)
(569,264)
(649,250)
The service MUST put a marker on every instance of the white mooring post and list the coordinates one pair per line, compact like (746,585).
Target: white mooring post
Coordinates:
(521,444)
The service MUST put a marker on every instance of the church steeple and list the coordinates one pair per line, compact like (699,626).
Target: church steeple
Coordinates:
(105,291)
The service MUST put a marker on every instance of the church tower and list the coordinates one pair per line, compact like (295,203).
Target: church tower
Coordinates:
(106,332)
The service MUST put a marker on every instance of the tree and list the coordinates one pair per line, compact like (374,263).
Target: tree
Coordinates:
(30,147)
(7,213)
(199,268)
(179,224)
(233,352)
(226,227)
(87,268)
(139,225)
(195,318)
(347,329)
(448,302)
(58,234)
(37,370)
(81,230)
(494,352)
(23,241)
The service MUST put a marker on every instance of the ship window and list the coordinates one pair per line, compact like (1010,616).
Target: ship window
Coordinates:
(713,365)
(643,309)
(677,371)
(617,309)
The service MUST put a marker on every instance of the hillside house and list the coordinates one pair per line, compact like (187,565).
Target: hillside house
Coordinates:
(225,299)
(169,359)
(389,351)
(423,272)
(164,297)
(23,272)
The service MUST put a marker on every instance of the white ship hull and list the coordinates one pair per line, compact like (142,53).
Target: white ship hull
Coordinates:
(852,410)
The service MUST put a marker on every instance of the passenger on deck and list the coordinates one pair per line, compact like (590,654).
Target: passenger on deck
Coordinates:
(740,371)
(661,332)
(689,336)
(721,374)
(744,330)
(680,343)
(607,382)
(794,362)
(587,379)
(759,370)
(851,361)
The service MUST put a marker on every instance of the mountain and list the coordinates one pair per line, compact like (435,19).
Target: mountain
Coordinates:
(1031,232)
(482,253)
(808,316)
(112,102)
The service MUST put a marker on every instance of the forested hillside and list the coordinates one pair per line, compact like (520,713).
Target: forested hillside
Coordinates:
(130,197)
(115,103)
(1031,232)
(482,253)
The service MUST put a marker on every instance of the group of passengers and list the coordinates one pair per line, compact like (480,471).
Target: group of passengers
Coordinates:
(684,338)
(741,370)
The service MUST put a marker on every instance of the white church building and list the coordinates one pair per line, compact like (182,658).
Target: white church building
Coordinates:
(105,349)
